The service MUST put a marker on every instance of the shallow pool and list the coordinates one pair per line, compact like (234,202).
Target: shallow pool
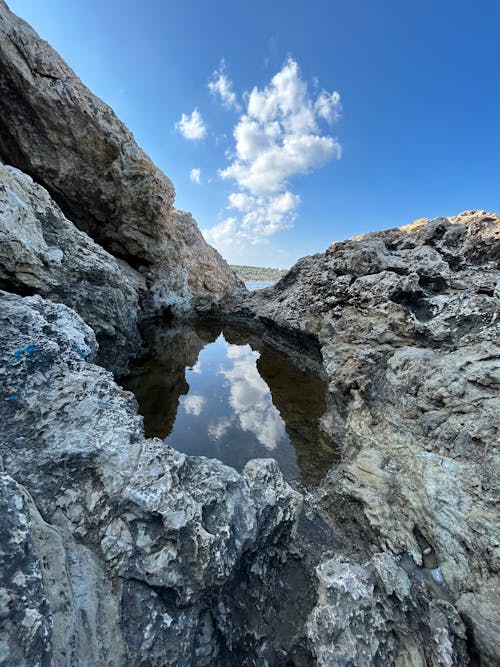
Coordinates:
(221,392)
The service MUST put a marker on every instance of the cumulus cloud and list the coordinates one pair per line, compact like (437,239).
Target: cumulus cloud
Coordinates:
(192,127)
(278,137)
(224,233)
(195,175)
(221,87)
(327,106)
(218,430)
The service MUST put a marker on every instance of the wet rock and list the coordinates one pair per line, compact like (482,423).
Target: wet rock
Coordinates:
(53,128)
(42,252)
(159,534)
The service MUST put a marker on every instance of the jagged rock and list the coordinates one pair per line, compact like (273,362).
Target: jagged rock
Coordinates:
(24,610)
(406,326)
(481,612)
(44,253)
(58,608)
(54,129)
(374,614)
(166,531)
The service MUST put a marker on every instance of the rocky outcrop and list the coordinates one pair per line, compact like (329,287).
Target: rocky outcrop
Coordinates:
(113,545)
(41,252)
(116,549)
(54,129)
(406,326)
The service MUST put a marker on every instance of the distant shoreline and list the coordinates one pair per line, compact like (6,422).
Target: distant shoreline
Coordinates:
(259,273)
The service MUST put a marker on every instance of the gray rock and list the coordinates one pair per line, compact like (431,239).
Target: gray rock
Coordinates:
(53,128)
(44,253)
(59,609)
(25,619)
(406,327)
(158,533)
(481,612)
(373,614)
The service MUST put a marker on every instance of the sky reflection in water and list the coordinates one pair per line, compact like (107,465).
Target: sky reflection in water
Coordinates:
(223,393)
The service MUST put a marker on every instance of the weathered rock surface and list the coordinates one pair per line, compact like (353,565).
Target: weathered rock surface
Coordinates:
(57,606)
(406,325)
(375,614)
(115,549)
(102,524)
(41,252)
(54,129)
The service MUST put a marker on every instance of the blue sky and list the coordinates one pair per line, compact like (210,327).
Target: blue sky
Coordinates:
(325,119)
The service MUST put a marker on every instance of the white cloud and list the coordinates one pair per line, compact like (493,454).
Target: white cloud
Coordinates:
(194,404)
(192,127)
(197,368)
(218,430)
(328,106)
(251,399)
(278,137)
(221,87)
(195,175)
(224,234)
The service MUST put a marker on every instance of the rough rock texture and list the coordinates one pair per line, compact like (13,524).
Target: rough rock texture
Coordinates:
(53,128)
(101,524)
(57,608)
(406,325)
(44,253)
(375,614)
(115,549)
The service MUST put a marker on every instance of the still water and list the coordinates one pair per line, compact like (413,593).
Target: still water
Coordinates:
(223,393)
(257,284)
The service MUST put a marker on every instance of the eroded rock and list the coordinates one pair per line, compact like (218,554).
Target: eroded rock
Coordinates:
(373,613)
(407,326)
(42,252)
(54,129)
(167,532)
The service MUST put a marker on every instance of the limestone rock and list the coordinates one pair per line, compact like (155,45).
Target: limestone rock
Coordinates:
(407,332)
(481,612)
(44,253)
(51,586)
(54,129)
(373,613)
(25,626)
(167,532)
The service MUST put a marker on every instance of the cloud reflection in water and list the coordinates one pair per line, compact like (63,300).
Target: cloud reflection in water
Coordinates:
(250,397)
(209,397)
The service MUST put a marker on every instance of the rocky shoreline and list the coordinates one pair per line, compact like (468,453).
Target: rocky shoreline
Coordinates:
(118,550)
(406,322)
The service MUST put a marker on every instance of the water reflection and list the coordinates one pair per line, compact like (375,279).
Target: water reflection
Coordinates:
(250,397)
(225,394)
